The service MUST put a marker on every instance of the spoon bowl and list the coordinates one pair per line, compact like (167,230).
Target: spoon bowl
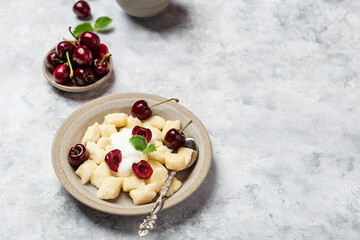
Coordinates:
(190,143)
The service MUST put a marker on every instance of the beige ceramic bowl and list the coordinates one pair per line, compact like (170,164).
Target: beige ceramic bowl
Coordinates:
(74,88)
(143,8)
(74,127)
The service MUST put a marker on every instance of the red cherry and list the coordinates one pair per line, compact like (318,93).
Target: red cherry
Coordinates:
(77,155)
(142,169)
(81,9)
(89,39)
(175,139)
(52,61)
(144,132)
(62,74)
(100,66)
(142,111)
(83,76)
(113,159)
(100,51)
(81,56)
(63,47)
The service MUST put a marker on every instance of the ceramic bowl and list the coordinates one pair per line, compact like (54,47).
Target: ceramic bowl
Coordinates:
(74,127)
(71,87)
(143,8)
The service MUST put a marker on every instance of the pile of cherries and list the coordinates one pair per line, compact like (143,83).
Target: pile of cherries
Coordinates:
(83,60)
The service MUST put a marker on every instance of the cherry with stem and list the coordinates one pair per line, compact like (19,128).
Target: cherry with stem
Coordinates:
(52,61)
(83,76)
(77,155)
(99,66)
(142,111)
(104,57)
(175,139)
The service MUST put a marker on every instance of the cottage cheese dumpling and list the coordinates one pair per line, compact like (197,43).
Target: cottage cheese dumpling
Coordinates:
(118,119)
(92,134)
(100,173)
(110,188)
(86,170)
(155,121)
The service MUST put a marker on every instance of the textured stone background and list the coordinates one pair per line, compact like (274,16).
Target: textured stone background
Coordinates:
(276,83)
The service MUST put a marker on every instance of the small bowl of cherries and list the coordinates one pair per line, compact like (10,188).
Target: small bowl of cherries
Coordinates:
(79,65)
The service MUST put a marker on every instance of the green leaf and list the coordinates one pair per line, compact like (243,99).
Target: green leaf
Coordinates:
(83,27)
(149,149)
(139,142)
(101,23)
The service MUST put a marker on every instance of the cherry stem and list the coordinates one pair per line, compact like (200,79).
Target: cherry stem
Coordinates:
(58,60)
(75,151)
(68,61)
(185,126)
(72,33)
(72,41)
(175,99)
(103,59)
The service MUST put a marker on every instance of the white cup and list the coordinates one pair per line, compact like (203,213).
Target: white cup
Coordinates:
(143,8)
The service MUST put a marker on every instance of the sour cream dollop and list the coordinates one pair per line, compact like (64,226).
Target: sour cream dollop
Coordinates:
(120,140)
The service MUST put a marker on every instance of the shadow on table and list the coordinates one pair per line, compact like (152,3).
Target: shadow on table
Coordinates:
(92,94)
(171,18)
(186,211)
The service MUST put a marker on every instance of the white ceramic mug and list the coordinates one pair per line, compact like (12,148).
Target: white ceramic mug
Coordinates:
(143,8)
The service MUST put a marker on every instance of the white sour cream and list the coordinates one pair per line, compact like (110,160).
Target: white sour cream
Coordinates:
(120,140)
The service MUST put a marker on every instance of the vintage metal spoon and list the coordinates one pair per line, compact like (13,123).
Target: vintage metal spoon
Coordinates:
(149,221)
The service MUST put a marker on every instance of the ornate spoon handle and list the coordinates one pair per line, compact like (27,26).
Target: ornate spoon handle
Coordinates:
(149,221)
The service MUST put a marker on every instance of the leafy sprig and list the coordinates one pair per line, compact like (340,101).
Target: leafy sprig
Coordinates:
(140,144)
(100,24)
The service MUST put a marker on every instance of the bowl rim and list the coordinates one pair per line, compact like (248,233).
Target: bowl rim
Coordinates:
(50,78)
(140,209)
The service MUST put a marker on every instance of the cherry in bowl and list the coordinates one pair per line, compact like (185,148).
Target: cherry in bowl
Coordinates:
(113,159)
(141,131)
(52,61)
(175,139)
(142,111)
(89,39)
(142,169)
(61,74)
(83,76)
(100,51)
(100,66)
(63,47)
(81,56)
(77,155)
